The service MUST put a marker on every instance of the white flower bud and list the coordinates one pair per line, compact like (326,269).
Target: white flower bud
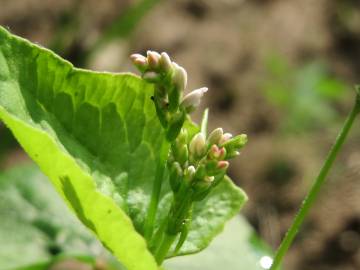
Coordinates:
(192,100)
(151,76)
(165,62)
(153,59)
(180,77)
(225,138)
(190,170)
(209,179)
(189,174)
(197,145)
(215,136)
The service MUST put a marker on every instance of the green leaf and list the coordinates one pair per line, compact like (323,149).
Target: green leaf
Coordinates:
(83,129)
(237,248)
(209,215)
(97,137)
(37,224)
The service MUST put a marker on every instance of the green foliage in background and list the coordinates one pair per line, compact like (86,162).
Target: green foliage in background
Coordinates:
(308,97)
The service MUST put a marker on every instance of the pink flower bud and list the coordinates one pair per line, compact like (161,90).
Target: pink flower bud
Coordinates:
(214,152)
(136,56)
(223,165)
(139,61)
(217,153)
(225,138)
(222,153)
(153,59)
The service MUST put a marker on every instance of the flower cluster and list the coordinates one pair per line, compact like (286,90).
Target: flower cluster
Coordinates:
(200,163)
(196,162)
(170,81)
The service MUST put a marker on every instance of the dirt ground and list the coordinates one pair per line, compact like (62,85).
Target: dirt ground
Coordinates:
(224,44)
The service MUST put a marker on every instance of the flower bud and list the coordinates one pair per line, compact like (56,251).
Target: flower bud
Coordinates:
(153,59)
(151,76)
(139,61)
(225,138)
(183,154)
(223,165)
(180,77)
(232,154)
(197,145)
(165,62)
(235,143)
(192,100)
(189,174)
(209,179)
(136,56)
(175,125)
(213,153)
(222,153)
(175,176)
(217,153)
(215,136)
(182,137)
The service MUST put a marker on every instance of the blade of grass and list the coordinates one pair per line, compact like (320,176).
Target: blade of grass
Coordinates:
(314,191)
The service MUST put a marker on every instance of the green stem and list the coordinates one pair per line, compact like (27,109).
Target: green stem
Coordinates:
(310,198)
(167,234)
(157,238)
(155,194)
(204,122)
(164,247)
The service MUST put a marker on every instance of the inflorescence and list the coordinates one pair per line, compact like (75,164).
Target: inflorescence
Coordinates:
(170,81)
(196,162)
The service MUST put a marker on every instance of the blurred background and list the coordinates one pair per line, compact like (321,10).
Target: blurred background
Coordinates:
(281,71)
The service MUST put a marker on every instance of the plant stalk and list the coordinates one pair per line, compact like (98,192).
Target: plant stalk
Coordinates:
(164,247)
(155,194)
(314,191)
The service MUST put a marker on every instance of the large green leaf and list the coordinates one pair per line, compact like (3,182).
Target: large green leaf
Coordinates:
(36,224)
(97,137)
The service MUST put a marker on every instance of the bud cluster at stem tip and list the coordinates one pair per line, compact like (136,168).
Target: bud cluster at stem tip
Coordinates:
(170,81)
(201,163)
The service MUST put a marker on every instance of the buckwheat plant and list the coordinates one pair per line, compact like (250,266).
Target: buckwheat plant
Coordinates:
(124,154)
(196,163)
